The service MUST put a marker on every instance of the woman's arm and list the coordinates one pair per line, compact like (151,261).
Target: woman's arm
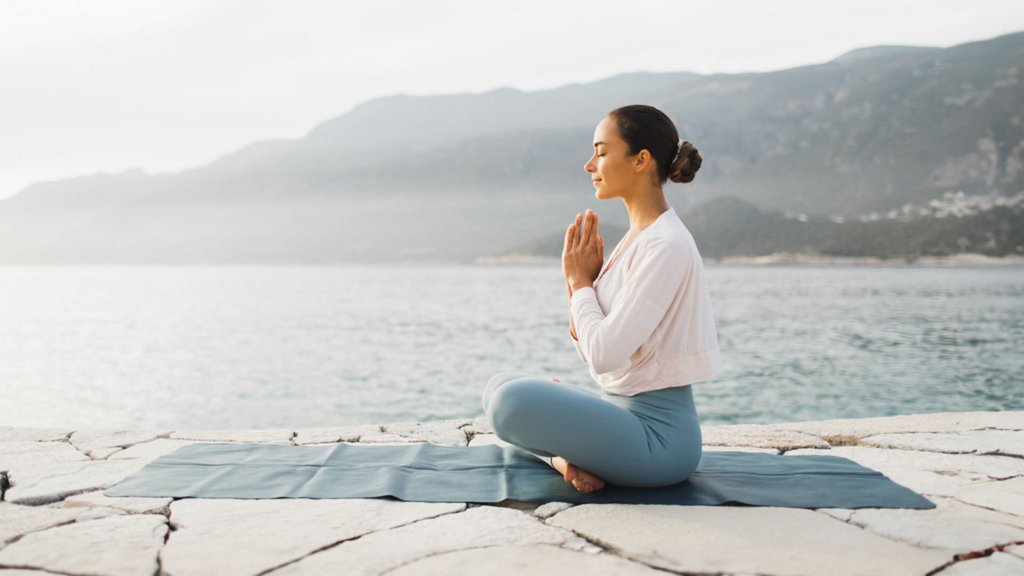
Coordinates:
(655,277)
(572,325)
(582,257)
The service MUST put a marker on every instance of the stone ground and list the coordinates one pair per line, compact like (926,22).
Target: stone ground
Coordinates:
(54,520)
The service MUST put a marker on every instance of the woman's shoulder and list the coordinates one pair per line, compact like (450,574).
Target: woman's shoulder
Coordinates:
(669,234)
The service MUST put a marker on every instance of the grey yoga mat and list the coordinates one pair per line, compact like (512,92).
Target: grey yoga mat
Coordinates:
(435,473)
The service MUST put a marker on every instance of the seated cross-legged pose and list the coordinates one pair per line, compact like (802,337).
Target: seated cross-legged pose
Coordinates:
(642,321)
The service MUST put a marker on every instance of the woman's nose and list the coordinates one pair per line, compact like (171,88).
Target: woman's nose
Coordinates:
(589,166)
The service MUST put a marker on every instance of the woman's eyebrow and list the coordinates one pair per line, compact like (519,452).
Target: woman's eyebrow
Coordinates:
(596,144)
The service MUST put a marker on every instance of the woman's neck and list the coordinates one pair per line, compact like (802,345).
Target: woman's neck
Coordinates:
(644,208)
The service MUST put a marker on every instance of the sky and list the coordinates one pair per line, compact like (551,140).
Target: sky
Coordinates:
(113,85)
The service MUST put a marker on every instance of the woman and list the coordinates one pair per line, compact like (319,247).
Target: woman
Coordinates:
(642,322)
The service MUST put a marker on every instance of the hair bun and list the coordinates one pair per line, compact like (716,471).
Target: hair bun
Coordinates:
(686,163)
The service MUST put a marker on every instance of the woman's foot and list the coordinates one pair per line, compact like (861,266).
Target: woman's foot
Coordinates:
(581,479)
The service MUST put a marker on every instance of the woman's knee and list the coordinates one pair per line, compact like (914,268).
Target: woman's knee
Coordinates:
(514,405)
(496,382)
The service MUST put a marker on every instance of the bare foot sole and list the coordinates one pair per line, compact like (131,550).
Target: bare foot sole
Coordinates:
(581,479)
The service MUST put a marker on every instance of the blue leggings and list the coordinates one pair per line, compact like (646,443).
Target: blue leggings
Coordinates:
(651,439)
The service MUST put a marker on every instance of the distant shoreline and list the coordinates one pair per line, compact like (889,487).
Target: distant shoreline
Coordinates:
(793,259)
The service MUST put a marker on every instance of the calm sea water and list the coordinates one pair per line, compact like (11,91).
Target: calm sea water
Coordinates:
(239,347)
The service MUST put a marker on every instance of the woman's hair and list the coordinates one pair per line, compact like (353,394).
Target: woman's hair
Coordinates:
(643,126)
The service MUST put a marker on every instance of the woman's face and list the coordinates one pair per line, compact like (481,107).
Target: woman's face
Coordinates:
(613,170)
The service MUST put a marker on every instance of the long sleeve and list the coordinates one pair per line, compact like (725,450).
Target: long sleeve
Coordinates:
(653,280)
(579,350)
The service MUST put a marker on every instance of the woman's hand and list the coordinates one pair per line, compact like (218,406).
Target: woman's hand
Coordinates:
(583,254)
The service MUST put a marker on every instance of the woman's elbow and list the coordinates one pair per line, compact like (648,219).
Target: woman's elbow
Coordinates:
(605,362)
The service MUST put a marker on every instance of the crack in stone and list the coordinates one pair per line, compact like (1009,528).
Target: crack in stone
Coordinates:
(43,500)
(998,453)
(432,554)
(470,434)
(964,453)
(123,447)
(956,557)
(34,569)
(5,483)
(164,436)
(23,534)
(974,505)
(974,555)
(621,553)
(353,538)
(171,527)
(75,446)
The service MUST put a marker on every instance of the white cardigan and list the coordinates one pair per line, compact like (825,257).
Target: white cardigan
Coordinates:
(647,322)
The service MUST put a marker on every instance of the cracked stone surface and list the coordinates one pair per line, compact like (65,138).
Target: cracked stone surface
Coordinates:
(930,473)
(27,454)
(518,560)
(305,436)
(118,545)
(258,436)
(550,509)
(759,436)
(98,444)
(996,564)
(9,433)
(479,527)
(954,526)
(17,520)
(262,534)
(478,425)
(131,504)
(1007,495)
(152,450)
(446,432)
(1002,442)
(853,428)
(44,484)
(740,539)
(386,438)
(56,517)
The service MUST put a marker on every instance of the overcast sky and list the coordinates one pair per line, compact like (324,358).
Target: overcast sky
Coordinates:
(109,85)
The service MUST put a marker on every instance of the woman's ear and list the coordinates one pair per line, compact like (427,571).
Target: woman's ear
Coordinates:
(643,158)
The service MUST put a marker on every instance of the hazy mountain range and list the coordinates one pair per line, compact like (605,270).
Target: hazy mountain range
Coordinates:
(452,177)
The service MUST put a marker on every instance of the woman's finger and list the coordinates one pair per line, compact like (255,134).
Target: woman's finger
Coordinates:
(588,225)
(579,228)
(592,229)
(568,239)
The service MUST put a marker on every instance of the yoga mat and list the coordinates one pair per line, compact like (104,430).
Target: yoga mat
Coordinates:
(434,473)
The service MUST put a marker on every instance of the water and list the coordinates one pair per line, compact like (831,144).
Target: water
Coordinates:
(256,347)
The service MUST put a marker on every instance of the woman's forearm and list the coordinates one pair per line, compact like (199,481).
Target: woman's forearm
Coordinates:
(572,325)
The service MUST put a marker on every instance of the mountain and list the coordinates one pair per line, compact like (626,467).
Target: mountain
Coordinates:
(731,227)
(453,177)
